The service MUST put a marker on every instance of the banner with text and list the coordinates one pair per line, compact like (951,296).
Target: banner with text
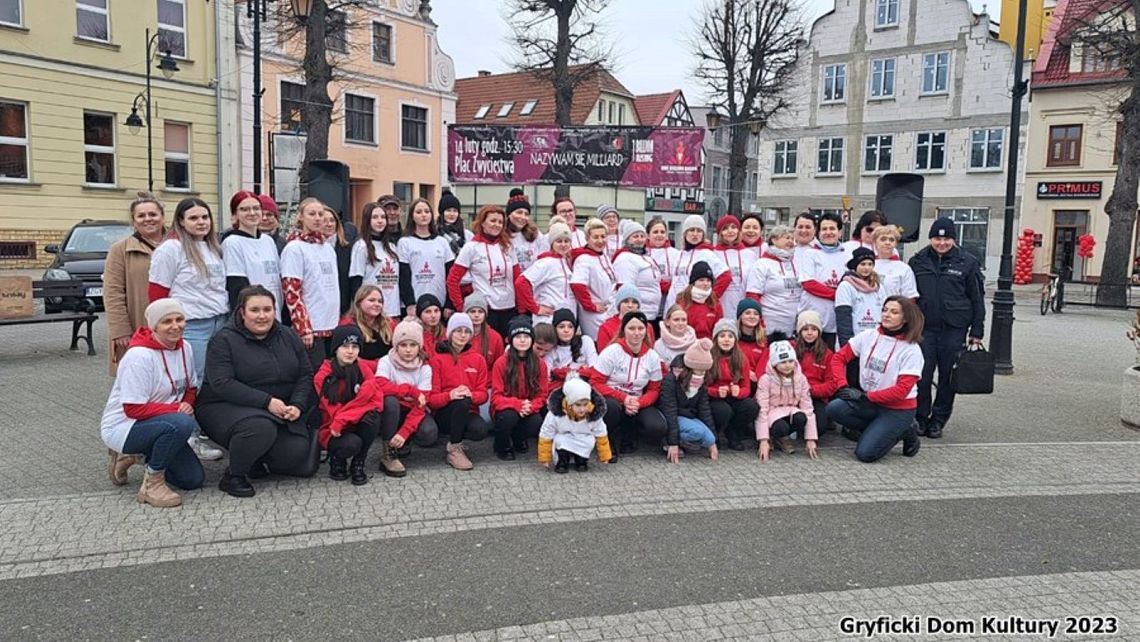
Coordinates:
(549,154)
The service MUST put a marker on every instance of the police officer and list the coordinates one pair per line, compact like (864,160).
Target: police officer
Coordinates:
(952,297)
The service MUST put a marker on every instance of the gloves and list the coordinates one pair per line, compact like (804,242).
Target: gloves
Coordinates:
(850,394)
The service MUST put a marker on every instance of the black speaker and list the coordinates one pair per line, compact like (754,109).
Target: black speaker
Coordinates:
(899,198)
(328,181)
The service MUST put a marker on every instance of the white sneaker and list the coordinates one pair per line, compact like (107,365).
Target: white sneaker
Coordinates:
(203,450)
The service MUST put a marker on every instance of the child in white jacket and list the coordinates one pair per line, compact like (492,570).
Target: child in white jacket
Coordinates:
(573,427)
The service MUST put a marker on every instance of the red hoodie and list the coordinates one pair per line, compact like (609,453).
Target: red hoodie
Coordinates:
(457,272)
(721,375)
(598,380)
(503,397)
(823,384)
(495,346)
(449,372)
(144,338)
(702,317)
(608,332)
(344,416)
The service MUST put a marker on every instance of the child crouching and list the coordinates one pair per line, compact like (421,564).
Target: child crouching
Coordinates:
(573,427)
(349,401)
(684,401)
(785,403)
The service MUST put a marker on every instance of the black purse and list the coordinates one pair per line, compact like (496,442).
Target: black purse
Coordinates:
(973,372)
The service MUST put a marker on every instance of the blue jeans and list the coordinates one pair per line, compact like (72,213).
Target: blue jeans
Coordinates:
(197,334)
(694,431)
(882,428)
(162,440)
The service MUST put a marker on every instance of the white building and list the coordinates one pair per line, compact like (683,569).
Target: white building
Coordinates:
(890,86)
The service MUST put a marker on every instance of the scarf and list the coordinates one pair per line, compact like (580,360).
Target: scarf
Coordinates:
(414,364)
(700,295)
(783,255)
(678,342)
(308,237)
(858,283)
(343,382)
(696,381)
(636,250)
(894,333)
(831,249)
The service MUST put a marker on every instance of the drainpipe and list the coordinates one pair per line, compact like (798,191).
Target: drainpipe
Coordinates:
(222,223)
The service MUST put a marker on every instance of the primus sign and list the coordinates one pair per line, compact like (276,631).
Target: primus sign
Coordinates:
(1068,189)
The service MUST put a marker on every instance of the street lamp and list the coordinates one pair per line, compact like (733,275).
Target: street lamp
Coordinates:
(712,119)
(168,67)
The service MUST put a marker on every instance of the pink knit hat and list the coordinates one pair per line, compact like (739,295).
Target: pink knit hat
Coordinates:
(698,356)
(408,331)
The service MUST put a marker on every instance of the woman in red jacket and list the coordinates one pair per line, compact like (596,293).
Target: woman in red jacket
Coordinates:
(350,398)
(815,362)
(700,302)
(459,387)
(518,392)
(730,387)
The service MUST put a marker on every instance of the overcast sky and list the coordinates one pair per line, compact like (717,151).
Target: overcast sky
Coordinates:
(652,39)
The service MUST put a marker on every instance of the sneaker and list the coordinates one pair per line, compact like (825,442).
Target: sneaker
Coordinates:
(389,465)
(205,451)
(785,445)
(457,457)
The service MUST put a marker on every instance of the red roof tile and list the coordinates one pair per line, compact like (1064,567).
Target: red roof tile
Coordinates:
(1052,67)
(519,87)
(652,109)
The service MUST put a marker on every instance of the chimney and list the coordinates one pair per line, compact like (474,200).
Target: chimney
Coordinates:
(483,73)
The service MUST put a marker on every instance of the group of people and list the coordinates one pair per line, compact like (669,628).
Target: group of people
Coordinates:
(406,328)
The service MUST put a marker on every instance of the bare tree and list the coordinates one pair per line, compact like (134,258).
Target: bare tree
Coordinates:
(1111,36)
(746,52)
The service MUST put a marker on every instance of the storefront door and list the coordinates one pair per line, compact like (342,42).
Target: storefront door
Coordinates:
(1068,226)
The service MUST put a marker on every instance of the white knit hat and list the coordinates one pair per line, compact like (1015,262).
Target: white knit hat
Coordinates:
(781,351)
(558,231)
(576,389)
(628,228)
(161,308)
(693,221)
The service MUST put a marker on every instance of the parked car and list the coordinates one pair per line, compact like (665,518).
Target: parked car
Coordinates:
(81,256)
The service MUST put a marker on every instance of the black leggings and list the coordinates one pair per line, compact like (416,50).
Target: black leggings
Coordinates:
(393,417)
(782,428)
(512,430)
(500,320)
(260,439)
(624,429)
(459,423)
(319,352)
(356,438)
(735,419)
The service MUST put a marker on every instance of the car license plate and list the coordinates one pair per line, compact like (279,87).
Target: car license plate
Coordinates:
(94,291)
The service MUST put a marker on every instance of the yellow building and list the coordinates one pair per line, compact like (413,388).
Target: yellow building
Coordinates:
(1039,13)
(71,71)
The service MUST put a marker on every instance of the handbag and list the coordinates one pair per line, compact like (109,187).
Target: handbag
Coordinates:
(973,372)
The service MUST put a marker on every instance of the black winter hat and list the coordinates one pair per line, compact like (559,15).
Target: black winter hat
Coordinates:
(700,270)
(942,228)
(448,201)
(858,256)
(343,334)
(517,200)
(426,301)
(564,315)
(520,324)
(630,316)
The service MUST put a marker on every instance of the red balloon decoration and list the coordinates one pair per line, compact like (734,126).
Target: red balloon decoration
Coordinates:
(1023,264)
(1085,245)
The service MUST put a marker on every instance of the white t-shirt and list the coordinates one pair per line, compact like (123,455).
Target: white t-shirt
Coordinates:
(641,271)
(613,244)
(665,258)
(315,265)
(420,377)
(896,277)
(426,259)
(827,268)
(561,356)
(255,259)
(492,272)
(527,252)
(626,373)
(597,273)
(866,308)
(143,378)
(883,359)
(686,259)
(549,278)
(737,263)
(201,298)
(778,284)
(384,274)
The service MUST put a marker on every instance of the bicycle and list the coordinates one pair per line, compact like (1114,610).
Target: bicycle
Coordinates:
(1052,292)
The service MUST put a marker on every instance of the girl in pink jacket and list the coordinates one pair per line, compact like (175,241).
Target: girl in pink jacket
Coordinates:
(784,395)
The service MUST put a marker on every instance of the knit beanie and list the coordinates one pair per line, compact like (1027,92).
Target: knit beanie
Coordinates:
(448,201)
(240,196)
(725,221)
(473,301)
(627,291)
(268,204)
(604,209)
(343,334)
(408,331)
(427,301)
(520,324)
(161,308)
(692,221)
(628,228)
(630,316)
(576,389)
(700,270)
(748,304)
(724,325)
(517,200)
(809,317)
(698,357)
(858,256)
(457,321)
(780,352)
(564,314)
(558,231)
(942,228)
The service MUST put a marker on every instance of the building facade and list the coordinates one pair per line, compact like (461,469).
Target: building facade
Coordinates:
(392,93)
(72,70)
(718,148)
(1039,13)
(1073,146)
(887,86)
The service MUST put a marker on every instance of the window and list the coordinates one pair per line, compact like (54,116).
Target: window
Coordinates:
(877,154)
(886,13)
(718,137)
(292,105)
(1116,148)
(528,108)
(382,42)
(935,72)
(834,83)
(830,156)
(172,27)
(750,188)
(336,36)
(883,78)
(91,20)
(99,148)
(413,128)
(403,191)
(505,110)
(611,113)
(1093,59)
(971,226)
(718,180)
(785,156)
(1064,146)
(985,148)
(621,114)
(930,152)
(482,113)
(601,110)
(176,154)
(13,142)
(359,119)
(10,13)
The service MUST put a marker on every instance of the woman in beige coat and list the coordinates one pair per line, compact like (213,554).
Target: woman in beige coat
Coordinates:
(126,274)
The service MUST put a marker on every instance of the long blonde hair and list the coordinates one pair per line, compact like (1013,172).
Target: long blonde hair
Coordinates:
(298,223)
(187,241)
(383,329)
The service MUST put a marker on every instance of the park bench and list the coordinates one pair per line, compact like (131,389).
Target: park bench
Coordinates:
(78,309)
